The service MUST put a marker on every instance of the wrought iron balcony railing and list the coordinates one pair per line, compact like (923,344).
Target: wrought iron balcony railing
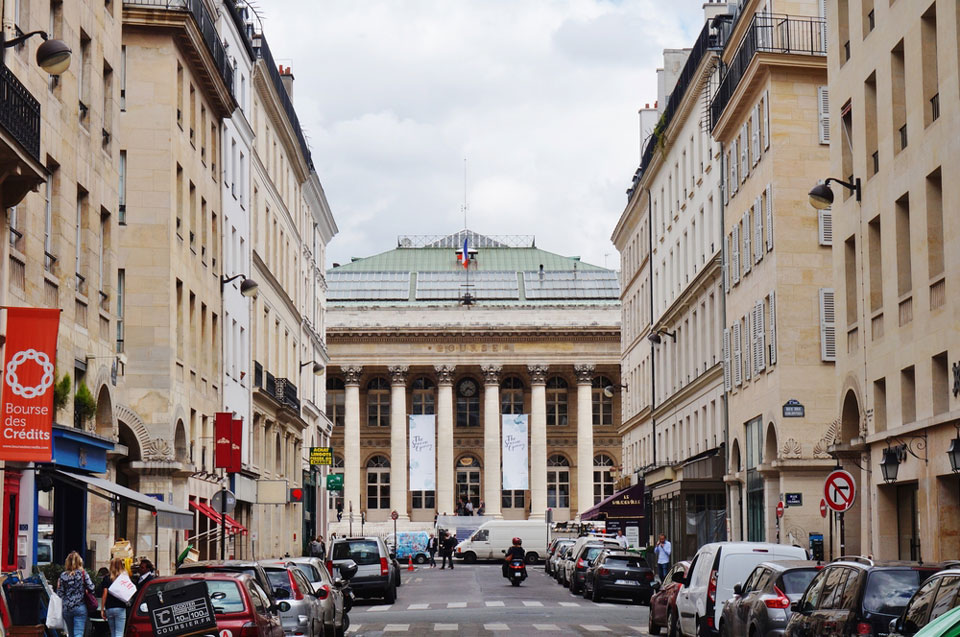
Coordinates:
(263,52)
(769,33)
(19,112)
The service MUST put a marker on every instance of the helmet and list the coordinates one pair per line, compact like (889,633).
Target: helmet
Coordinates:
(517,541)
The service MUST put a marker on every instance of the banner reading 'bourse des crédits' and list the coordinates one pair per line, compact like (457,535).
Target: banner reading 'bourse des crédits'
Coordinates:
(515,455)
(423,453)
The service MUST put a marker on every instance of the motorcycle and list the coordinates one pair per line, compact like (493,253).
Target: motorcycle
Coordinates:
(516,572)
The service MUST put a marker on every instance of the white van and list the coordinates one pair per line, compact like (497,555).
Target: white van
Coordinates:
(493,538)
(711,576)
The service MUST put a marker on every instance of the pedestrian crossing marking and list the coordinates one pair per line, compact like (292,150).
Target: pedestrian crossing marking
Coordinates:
(418,606)
(570,604)
(442,627)
(494,604)
(353,629)
(494,627)
(396,628)
(456,604)
(595,629)
(374,609)
(550,627)
(532,604)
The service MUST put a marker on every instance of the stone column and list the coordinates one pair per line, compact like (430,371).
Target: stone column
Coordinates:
(398,439)
(538,440)
(584,374)
(492,482)
(352,472)
(445,471)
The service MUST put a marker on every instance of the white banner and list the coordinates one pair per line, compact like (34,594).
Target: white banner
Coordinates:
(516,472)
(423,453)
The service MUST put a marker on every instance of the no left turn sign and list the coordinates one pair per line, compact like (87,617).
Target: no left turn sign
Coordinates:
(839,490)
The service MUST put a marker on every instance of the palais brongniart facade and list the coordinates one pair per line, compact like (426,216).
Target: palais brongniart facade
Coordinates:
(519,335)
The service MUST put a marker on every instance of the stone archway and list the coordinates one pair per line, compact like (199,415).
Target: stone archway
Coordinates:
(180,450)
(104,420)
(849,418)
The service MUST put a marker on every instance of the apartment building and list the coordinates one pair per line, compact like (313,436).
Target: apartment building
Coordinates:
(769,118)
(895,120)
(680,455)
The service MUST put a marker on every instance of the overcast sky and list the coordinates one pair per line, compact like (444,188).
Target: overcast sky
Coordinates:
(539,96)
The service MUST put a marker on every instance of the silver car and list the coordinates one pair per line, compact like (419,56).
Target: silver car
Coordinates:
(304,617)
(377,572)
(335,618)
(760,605)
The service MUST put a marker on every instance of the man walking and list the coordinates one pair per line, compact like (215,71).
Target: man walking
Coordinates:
(432,550)
(663,551)
(622,539)
(446,550)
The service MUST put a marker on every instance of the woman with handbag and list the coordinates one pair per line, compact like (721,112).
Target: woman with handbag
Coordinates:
(76,590)
(114,609)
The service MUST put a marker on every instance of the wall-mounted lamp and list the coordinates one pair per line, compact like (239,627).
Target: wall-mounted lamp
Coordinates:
(317,367)
(821,195)
(953,452)
(654,337)
(248,287)
(610,390)
(53,56)
(894,455)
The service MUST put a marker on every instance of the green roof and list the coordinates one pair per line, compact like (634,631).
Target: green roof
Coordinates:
(444,259)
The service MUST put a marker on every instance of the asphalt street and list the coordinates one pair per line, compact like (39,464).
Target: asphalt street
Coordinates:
(477,600)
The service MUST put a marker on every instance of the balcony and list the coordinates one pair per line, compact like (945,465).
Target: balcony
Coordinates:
(281,390)
(769,33)
(263,53)
(19,139)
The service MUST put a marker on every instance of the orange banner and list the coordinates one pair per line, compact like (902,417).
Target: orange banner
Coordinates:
(30,356)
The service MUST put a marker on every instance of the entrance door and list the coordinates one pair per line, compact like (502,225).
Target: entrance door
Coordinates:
(908,530)
(11,519)
(468,481)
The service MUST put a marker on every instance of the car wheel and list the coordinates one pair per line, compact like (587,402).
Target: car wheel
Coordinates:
(673,626)
(420,559)
(398,579)
(470,557)
(724,631)
(574,588)
(597,596)
(652,627)
(586,591)
(531,558)
(342,630)
(390,595)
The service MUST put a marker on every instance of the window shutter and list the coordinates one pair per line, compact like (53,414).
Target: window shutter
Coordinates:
(726,360)
(760,355)
(769,217)
(735,159)
(735,260)
(825,219)
(758,230)
(772,302)
(726,264)
(737,370)
(746,241)
(755,134)
(744,152)
(823,108)
(828,330)
(749,344)
(766,120)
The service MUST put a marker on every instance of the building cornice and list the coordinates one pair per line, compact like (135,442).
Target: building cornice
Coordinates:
(278,290)
(701,282)
(713,375)
(337,336)
(274,111)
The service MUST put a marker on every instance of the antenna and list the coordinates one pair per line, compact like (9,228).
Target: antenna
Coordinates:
(463,207)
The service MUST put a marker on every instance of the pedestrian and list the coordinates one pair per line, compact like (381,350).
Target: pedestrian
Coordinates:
(72,587)
(446,550)
(113,609)
(663,551)
(468,508)
(318,548)
(146,571)
(481,508)
(432,550)
(622,539)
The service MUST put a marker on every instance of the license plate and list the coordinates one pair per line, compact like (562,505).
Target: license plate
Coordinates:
(627,582)
(518,574)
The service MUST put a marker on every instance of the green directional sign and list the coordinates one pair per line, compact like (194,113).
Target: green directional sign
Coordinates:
(335,482)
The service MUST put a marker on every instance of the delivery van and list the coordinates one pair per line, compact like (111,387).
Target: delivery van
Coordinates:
(492,539)
(409,545)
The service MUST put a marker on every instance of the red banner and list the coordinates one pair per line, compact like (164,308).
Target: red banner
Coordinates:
(222,433)
(236,443)
(30,356)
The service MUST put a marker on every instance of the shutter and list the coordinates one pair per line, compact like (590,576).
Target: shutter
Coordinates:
(726,264)
(769,217)
(735,159)
(746,242)
(749,340)
(726,360)
(755,134)
(823,110)
(758,230)
(766,120)
(726,180)
(737,369)
(772,301)
(825,219)
(744,152)
(735,256)
(761,352)
(828,329)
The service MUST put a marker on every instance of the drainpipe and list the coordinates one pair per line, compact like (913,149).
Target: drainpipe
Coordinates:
(653,375)
(726,395)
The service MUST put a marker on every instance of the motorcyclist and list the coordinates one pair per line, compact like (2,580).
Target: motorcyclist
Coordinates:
(515,552)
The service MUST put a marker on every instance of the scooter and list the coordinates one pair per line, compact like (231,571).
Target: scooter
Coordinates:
(516,572)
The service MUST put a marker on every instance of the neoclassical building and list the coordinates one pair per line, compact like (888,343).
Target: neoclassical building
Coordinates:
(520,331)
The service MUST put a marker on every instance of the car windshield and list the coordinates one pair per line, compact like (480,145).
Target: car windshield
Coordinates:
(309,572)
(43,553)
(795,582)
(279,578)
(247,570)
(225,596)
(363,552)
(623,562)
(591,552)
(888,591)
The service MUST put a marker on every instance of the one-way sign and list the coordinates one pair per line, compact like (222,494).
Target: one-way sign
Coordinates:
(185,610)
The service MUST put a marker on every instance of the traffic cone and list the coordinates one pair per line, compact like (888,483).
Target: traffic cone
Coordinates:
(410,563)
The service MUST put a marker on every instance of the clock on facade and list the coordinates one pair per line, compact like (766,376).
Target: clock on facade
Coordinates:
(468,388)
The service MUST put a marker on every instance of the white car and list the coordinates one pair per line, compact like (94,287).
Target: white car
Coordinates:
(712,574)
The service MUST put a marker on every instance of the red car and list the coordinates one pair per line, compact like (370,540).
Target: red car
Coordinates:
(241,605)
(663,603)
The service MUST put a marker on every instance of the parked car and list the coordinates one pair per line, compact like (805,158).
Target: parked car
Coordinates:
(856,596)
(946,625)
(494,537)
(560,564)
(582,559)
(570,561)
(618,574)
(304,617)
(760,606)
(377,572)
(251,568)
(713,571)
(938,595)
(241,605)
(332,593)
(663,603)
(553,553)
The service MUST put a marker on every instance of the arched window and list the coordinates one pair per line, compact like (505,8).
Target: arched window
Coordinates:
(468,403)
(378,403)
(278,456)
(468,481)
(557,402)
(602,405)
(336,398)
(378,483)
(424,398)
(558,482)
(602,479)
(335,497)
(511,396)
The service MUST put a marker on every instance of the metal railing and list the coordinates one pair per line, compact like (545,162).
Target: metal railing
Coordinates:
(19,112)
(769,33)
(263,52)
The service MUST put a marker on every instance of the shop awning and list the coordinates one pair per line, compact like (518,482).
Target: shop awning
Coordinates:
(623,504)
(168,516)
(233,527)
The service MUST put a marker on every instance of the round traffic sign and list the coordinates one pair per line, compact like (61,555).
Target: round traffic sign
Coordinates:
(823,508)
(231,502)
(839,490)
(394,515)
(780,509)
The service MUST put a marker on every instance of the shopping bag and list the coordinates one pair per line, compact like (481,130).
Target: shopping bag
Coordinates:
(122,588)
(55,613)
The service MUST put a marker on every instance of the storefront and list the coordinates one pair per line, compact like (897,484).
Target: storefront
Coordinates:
(623,511)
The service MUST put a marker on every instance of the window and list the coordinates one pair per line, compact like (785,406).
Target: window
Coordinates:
(755,504)
(904,246)
(122,188)
(558,482)
(335,498)
(78,238)
(928,55)
(898,97)
(378,483)
(850,277)
(102,249)
(123,77)
(468,403)
(121,297)
(468,481)
(946,596)
(424,499)
(828,330)
(336,397)
(916,615)
(875,261)
(602,404)
(513,499)
(83,77)
(934,204)
(511,396)
(602,478)
(908,395)
(557,402)
(424,398)
(378,403)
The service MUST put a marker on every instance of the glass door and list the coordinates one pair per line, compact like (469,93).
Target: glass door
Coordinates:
(468,481)
(908,531)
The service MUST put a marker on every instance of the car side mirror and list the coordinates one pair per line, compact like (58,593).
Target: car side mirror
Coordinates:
(504,552)
(348,569)
(796,606)
(678,578)
(339,582)
(393,555)
(738,589)
(282,606)
(281,593)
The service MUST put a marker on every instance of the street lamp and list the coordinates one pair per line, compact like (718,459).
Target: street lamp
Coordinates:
(890,465)
(317,367)
(610,390)
(53,56)
(821,196)
(248,287)
(654,337)
(953,452)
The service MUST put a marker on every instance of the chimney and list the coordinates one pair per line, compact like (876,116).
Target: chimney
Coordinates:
(713,8)
(286,76)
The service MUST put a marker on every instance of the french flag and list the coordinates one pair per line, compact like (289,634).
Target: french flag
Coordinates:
(464,257)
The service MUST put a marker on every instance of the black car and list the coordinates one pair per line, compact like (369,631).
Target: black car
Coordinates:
(581,562)
(856,596)
(938,594)
(618,574)
(249,567)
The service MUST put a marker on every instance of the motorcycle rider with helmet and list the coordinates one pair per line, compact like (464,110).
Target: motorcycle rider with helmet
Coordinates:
(515,552)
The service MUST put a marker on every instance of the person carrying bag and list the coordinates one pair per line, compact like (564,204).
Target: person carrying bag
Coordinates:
(118,590)
(74,587)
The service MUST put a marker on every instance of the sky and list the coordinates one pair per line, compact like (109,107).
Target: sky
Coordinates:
(539,96)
